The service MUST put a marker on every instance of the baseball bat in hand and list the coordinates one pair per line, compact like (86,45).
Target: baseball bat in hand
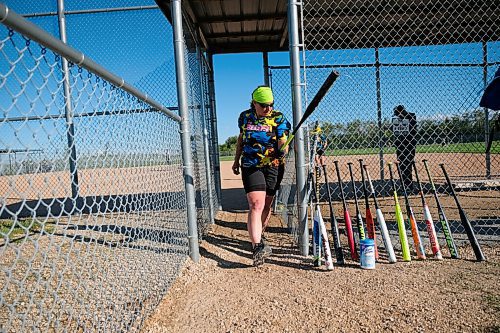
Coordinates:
(313,105)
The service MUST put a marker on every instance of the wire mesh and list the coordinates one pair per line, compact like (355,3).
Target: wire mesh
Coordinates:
(93,225)
(389,54)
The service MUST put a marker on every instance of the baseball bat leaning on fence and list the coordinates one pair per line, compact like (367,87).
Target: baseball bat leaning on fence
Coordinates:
(431,231)
(370,224)
(465,220)
(359,219)
(381,221)
(323,235)
(334,224)
(347,218)
(313,188)
(315,223)
(442,217)
(313,105)
(419,248)
(399,219)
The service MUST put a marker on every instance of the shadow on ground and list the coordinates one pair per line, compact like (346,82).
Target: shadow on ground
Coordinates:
(227,242)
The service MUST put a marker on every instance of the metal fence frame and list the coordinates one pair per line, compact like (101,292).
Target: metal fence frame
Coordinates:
(197,127)
(310,82)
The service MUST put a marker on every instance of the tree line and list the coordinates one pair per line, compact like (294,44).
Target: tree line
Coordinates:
(463,128)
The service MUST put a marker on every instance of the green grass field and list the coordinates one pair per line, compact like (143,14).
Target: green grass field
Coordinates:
(16,231)
(470,147)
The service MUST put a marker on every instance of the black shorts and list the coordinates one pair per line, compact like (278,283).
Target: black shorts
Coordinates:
(262,179)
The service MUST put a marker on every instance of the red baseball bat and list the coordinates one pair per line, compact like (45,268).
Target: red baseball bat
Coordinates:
(347,218)
(370,224)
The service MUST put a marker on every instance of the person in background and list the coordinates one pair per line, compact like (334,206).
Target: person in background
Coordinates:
(404,127)
(263,130)
(319,139)
(491,100)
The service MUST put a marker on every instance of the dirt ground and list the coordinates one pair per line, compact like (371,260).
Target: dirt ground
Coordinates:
(224,293)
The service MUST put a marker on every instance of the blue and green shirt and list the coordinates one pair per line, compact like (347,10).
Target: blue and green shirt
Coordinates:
(260,137)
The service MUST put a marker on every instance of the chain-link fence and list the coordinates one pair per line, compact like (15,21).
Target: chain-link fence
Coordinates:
(93,224)
(433,60)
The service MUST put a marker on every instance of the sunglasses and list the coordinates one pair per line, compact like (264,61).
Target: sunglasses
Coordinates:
(264,105)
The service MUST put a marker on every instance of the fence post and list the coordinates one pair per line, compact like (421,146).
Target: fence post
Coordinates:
(67,105)
(180,71)
(265,60)
(213,128)
(300,164)
(208,170)
(486,111)
(379,114)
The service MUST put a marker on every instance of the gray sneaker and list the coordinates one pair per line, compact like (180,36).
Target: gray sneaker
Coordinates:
(258,254)
(267,249)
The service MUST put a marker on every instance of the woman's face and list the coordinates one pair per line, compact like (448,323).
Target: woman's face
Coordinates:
(263,109)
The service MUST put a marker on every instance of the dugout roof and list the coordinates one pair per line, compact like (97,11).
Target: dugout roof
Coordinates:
(235,26)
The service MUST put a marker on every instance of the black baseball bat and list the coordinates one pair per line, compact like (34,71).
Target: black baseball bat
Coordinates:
(334,224)
(465,220)
(313,105)
(442,217)
(359,218)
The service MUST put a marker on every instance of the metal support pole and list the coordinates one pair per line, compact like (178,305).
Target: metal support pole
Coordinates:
(213,128)
(73,170)
(300,164)
(379,114)
(180,71)
(486,111)
(208,170)
(265,60)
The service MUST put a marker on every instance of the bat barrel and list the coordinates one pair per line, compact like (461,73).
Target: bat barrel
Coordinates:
(465,221)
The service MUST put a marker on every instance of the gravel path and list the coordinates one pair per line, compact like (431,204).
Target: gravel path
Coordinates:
(223,293)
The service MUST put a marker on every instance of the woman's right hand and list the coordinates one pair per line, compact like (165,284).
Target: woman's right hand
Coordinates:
(236,167)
